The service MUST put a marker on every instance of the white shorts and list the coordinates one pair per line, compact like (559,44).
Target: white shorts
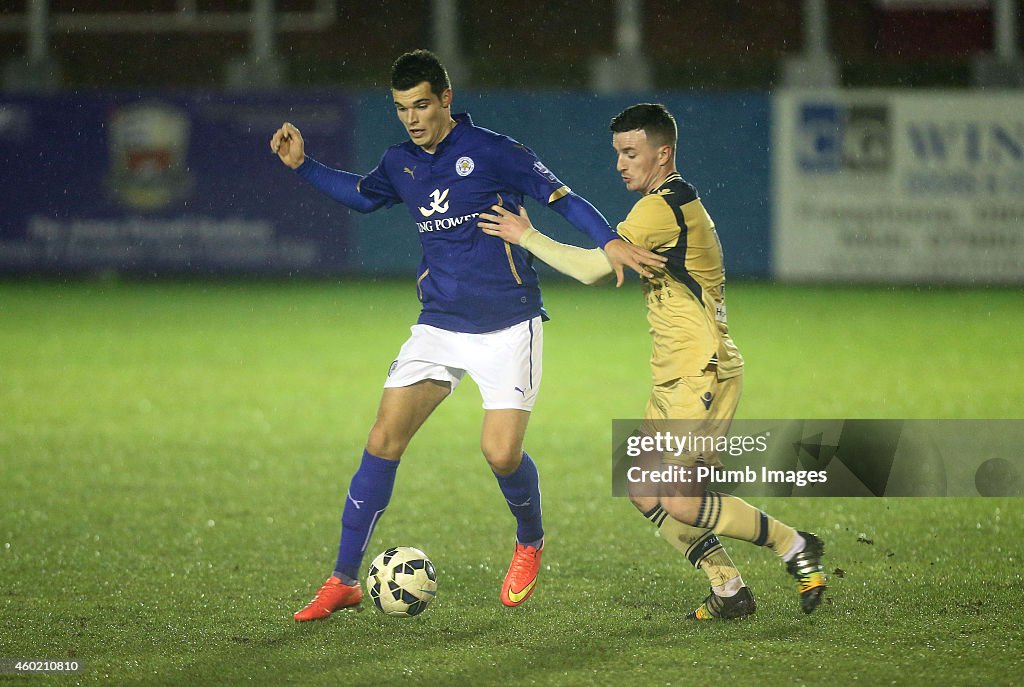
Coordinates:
(505,364)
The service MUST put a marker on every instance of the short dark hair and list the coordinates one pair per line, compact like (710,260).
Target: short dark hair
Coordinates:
(653,118)
(413,68)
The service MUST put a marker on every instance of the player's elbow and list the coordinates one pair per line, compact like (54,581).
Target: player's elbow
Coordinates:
(366,206)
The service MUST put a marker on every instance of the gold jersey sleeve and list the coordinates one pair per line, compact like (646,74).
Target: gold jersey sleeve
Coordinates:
(686,299)
(651,224)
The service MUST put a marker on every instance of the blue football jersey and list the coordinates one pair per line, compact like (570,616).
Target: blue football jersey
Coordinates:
(467,281)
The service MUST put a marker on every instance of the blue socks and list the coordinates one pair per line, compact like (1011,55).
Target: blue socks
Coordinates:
(522,492)
(370,491)
(368,495)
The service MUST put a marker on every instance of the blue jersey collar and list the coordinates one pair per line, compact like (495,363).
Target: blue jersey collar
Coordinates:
(462,122)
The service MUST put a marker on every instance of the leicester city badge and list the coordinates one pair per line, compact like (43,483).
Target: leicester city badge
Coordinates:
(464,166)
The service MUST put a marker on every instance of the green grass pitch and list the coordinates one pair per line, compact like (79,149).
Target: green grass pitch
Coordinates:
(174,458)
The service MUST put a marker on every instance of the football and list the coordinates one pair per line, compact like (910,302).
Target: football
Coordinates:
(402,581)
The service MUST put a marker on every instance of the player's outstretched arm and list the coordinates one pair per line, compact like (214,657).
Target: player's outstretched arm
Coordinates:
(582,215)
(587,266)
(288,144)
(340,185)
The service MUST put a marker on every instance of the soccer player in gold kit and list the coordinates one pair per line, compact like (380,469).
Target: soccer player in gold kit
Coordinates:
(697,369)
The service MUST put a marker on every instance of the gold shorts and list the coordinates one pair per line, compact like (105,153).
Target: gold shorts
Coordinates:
(703,406)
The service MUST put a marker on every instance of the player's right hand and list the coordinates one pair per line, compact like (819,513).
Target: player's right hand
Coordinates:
(288,144)
(623,254)
(504,224)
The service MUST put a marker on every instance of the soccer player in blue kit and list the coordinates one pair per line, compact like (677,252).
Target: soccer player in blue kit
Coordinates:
(481,306)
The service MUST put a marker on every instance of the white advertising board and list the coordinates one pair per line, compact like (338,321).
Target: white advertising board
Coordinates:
(898,187)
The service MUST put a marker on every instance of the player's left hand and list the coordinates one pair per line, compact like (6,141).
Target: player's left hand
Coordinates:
(622,254)
(504,224)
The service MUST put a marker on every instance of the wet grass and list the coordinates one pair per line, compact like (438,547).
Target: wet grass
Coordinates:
(173,460)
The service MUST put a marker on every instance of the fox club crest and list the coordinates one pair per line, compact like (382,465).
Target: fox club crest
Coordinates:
(464,166)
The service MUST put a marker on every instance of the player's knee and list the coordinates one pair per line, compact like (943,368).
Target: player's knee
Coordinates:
(681,500)
(502,458)
(386,443)
(685,509)
(643,503)
(642,495)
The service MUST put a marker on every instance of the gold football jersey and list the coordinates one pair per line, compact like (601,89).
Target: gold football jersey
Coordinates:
(686,298)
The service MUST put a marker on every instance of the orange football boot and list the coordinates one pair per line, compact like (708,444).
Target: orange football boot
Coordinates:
(333,595)
(521,578)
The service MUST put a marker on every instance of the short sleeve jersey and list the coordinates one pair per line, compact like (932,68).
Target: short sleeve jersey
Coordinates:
(685,299)
(467,281)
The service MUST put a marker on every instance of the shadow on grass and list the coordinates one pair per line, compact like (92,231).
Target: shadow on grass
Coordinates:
(541,644)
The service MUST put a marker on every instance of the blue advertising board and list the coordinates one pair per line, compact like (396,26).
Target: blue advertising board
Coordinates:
(165,184)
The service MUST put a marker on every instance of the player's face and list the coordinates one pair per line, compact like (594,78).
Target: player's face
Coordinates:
(640,162)
(426,117)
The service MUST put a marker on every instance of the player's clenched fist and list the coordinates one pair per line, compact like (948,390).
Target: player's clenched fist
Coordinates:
(287,143)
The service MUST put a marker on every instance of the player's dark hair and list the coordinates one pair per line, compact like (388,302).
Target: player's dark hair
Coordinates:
(413,68)
(653,118)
